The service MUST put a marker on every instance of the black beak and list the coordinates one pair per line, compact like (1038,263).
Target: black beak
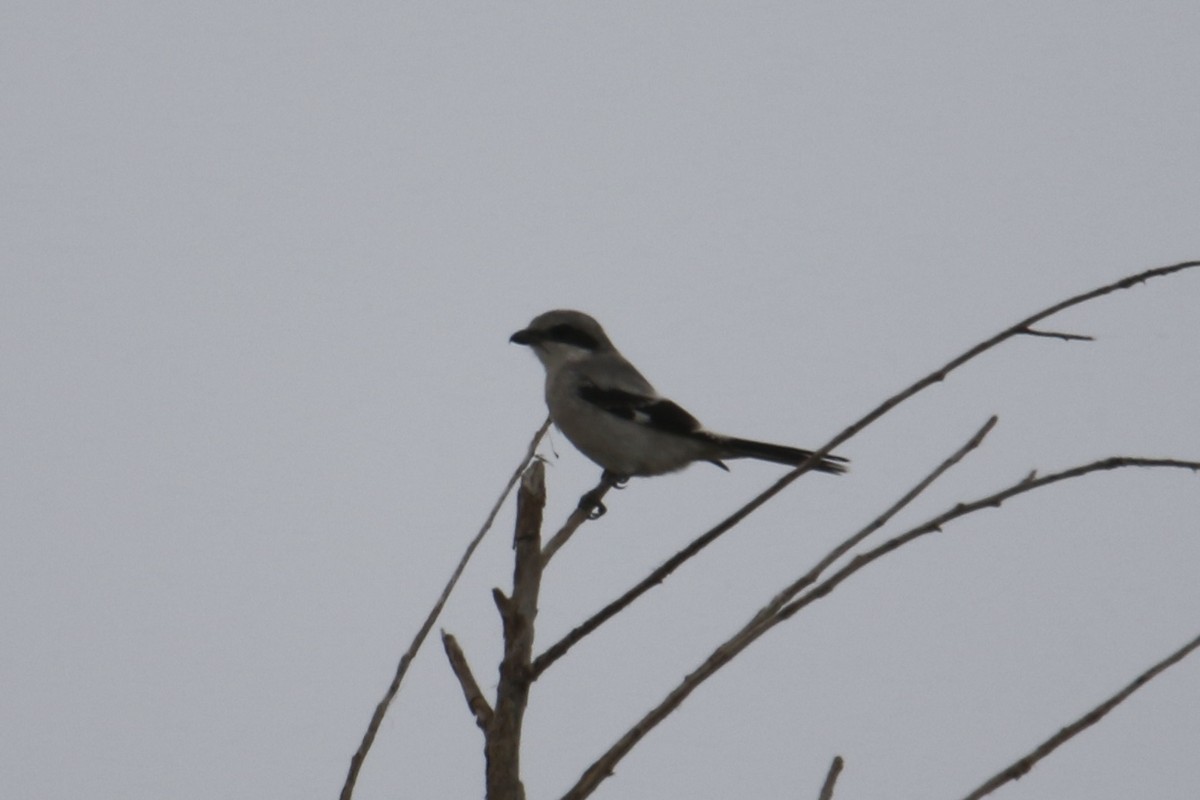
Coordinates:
(525,337)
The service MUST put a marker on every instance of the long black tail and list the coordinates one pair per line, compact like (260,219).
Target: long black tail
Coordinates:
(792,456)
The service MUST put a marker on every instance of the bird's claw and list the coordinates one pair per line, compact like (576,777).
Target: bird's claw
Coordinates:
(592,505)
(614,480)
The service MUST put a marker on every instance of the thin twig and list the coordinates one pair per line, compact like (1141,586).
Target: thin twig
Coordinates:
(604,766)
(1066,337)
(831,777)
(660,574)
(582,513)
(462,670)
(356,761)
(1022,765)
(935,524)
(850,542)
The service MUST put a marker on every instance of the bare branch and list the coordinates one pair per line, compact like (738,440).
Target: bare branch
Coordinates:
(356,761)
(604,766)
(1066,337)
(1021,327)
(835,769)
(582,513)
(503,746)
(474,697)
(559,648)
(833,555)
(1026,763)
(660,574)
(1026,484)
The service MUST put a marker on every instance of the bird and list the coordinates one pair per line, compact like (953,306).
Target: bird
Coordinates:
(613,415)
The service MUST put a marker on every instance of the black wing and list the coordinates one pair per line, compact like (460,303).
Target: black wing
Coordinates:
(654,412)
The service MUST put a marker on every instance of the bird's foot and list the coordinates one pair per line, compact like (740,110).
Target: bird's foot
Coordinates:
(614,480)
(590,503)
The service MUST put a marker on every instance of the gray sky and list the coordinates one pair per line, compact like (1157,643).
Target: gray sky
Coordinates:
(260,266)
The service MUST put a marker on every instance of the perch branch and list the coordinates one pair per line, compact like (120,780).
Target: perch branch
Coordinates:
(582,513)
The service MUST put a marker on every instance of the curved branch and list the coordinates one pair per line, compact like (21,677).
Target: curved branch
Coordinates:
(560,648)
(603,766)
(1020,328)
(1024,327)
(1026,484)
(1026,763)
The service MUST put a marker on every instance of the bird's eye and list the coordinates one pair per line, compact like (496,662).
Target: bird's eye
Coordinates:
(569,334)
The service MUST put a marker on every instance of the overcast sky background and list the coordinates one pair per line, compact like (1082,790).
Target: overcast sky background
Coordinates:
(260,265)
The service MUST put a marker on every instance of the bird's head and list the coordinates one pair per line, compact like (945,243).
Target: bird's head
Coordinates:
(561,336)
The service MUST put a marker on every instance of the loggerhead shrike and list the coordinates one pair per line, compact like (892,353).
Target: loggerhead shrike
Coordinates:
(604,406)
